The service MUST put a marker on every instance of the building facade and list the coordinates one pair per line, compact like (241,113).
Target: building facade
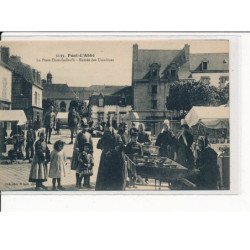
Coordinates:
(5,86)
(212,68)
(60,93)
(102,107)
(154,70)
(26,88)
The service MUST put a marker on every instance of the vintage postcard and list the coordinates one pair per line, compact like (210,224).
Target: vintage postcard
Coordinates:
(121,114)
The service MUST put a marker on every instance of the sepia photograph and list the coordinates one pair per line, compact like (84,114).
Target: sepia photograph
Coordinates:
(129,114)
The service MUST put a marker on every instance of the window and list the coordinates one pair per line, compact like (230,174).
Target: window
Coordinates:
(36,101)
(173,72)
(100,116)
(153,104)
(205,79)
(122,101)
(101,101)
(4,89)
(154,89)
(204,65)
(223,80)
(39,99)
(154,71)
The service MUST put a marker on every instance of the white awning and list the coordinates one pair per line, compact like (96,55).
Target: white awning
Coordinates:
(210,117)
(13,115)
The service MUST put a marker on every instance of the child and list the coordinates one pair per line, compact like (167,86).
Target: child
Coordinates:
(57,165)
(85,166)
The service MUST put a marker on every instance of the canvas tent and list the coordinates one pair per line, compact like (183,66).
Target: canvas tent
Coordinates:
(210,117)
(13,115)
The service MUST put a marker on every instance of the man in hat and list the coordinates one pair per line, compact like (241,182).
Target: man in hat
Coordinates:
(73,121)
(166,141)
(30,140)
(49,123)
(82,138)
(185,140)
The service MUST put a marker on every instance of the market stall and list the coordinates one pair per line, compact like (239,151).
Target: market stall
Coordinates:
(210,117)
(6,117)
(161,169)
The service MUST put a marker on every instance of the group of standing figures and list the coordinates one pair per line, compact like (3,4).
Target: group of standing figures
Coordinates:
(113,173)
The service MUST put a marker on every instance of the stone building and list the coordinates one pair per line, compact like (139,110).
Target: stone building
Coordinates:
(114,106)
(5,80)
(210,68)
(26,89)
(61,93)
(154,70)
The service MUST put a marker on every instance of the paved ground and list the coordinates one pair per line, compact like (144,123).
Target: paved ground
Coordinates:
(15,176)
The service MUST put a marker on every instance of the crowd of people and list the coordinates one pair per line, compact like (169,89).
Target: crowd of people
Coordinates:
(116,140)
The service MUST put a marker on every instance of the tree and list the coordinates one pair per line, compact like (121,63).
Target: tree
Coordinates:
(186,94)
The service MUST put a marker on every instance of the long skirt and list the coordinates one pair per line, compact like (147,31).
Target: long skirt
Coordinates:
(185,157)
(74,160)
(38,171)
(111,173)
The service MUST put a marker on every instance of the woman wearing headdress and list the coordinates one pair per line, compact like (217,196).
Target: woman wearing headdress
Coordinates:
(111,172)
(166,141)
(39,169)
(143,137)
(185,139)
(207,164)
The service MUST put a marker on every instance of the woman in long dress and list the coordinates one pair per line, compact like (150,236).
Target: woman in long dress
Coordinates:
(207,164)
(111,172)
(166,141)
(39,168)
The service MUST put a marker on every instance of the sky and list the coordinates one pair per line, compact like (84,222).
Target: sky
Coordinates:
(111,58)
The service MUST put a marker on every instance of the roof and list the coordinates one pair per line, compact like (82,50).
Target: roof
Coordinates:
(210,117)
(108,100)
(58,91)
(13,115)
(22,69)
(148,57)
(5,65)
(85,92)
(216,61)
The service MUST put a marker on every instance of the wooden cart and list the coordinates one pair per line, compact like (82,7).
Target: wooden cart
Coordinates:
(161,169)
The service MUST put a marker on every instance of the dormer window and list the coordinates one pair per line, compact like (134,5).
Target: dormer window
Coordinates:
(204,64)
(123,100)
(154,70)
(173,72)
(101,101)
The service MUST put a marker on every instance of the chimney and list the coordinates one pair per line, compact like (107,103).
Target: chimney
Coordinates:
(187,51)
(38,77)
(4,54)
(15,59)
(34,75)
(135,52)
